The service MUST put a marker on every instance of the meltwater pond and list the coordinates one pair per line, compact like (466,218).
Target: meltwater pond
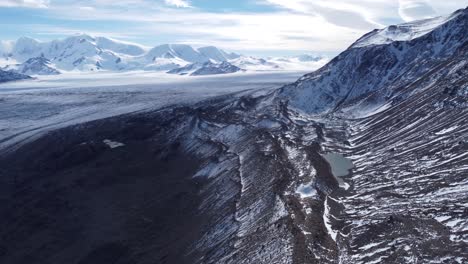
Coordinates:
(340,167)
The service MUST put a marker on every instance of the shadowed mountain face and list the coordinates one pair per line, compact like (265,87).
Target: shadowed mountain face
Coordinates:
(7,76)
(243,179)
(207,68)
(34,66)
(373,72)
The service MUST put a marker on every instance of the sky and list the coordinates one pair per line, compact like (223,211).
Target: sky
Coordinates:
(255,27)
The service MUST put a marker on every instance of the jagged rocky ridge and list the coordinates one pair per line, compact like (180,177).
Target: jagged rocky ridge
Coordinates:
(370,74)
(207,68)
(86,53)
(34,66)
(254,187)
(8,76)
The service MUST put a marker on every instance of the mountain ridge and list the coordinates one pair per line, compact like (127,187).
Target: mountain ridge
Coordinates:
(86,53)
(395,64)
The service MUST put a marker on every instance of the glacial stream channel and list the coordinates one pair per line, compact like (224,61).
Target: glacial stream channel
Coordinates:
(340,167)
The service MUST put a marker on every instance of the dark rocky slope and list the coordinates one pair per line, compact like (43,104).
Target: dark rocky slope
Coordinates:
(34,66)
(8,76)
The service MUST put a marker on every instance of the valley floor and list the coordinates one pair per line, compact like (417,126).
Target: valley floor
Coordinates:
(28,108)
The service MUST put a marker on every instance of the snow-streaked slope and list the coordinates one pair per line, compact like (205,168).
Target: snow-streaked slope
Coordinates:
(253,63)
(25,48)
(187,69)
(207,68)
(34,66)
(8,76)
(216,68)
(402,32)
(170,56)
(368,77)
(181,51)
(78,52)
(216,54)
(308,58)
(408,188)
(301,62)
(119,46)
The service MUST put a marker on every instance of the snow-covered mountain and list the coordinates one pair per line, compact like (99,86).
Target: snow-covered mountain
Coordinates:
(34,66)
(379,65)
(118,46)
(81,52)
(87,53)
(207,68)
(172,56)
(301,62)
(254,63)
(180,51)
(216,54)
(402,32)
(210,68)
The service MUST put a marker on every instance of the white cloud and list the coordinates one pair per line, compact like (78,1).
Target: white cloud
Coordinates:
(178,3)
(6,46)
(46,30)
(276,30)
(447,6)
(25,3)
(410,10)
(306,25)
(360,14)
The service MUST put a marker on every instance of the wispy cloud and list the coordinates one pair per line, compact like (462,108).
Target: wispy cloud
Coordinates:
(415,9)
(25,3)
(313,25)
(178,3)
(447,6)
(278,30)
(347,13)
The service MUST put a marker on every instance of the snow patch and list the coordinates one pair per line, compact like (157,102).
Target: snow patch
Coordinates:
(327,221)
(306,190)
(113,144)
(446,130)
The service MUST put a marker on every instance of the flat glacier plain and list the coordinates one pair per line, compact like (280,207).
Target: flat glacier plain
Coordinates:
(30,108)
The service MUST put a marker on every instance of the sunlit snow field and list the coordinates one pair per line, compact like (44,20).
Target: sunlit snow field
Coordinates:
(29,108)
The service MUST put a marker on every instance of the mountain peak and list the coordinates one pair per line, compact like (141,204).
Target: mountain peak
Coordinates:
(82,36)
(404,32)
(380,63)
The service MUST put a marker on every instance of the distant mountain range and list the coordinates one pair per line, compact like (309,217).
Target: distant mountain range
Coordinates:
(87,53)
(207,68)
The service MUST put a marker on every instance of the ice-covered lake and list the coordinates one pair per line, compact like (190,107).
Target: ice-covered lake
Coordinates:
(29,108)
(340,167)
